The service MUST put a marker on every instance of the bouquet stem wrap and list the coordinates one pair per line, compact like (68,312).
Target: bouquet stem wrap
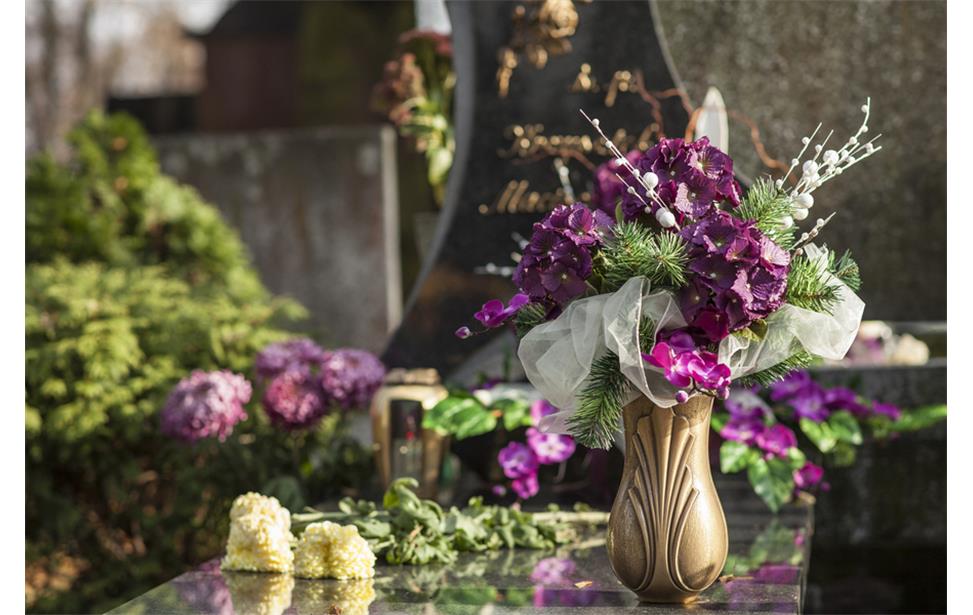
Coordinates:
(557,355)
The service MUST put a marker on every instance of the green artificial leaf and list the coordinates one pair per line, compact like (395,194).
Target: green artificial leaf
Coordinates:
(719,421)
(516,413)
(919,418)
(796,458)
(843,455)
(845,427)
(736,456)
(772,480)
(820,434)
(460,416)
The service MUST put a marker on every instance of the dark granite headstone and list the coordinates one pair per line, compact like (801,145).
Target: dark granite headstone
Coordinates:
(318,211)
(512,128)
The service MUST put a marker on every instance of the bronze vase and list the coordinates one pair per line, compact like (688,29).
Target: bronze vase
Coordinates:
(667,538)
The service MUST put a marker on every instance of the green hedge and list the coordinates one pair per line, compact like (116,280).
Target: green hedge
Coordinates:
(133,281)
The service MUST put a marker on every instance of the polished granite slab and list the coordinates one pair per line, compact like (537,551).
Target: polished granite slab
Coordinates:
(765,573)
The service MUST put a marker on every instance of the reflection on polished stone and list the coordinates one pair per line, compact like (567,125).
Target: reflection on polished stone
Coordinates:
(765,573)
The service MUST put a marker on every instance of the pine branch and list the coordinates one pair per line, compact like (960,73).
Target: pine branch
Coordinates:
(777,372)
(529,317)
(809,286)
(845,269)
(599,410)
(637,250)
(766,205)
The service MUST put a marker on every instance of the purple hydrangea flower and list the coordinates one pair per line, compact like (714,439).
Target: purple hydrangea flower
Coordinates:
(557,261)
(739,275)
(350,377)
(517,460)
(526,486)
(608,188)
(776,440)
(205,404)
(294,399)
(550,447)
(494,314)
(808,476)
(693,178)
(279,357)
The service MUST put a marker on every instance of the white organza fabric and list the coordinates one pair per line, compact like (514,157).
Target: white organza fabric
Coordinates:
(557,355)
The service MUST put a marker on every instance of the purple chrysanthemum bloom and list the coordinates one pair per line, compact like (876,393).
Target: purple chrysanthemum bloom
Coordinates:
(693,178)
(889,410)
(517,460)
(776,440)
(557,261)
(294,399)
(279,357)
(204,405)
(808,476)
(550,447)
(739,275)
(494,314)
(350,377)
(525,486)
(743,430)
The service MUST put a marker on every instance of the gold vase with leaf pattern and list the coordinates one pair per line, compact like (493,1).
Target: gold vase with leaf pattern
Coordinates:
(667,537)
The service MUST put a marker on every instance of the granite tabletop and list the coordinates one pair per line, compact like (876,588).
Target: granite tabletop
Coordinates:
(765,573)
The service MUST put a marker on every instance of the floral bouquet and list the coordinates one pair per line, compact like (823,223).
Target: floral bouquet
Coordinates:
(688,286)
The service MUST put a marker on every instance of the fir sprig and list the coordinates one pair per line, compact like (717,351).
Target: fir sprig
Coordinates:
(767,206)
(809,285)
(637,250)
(766,377)
(596,419)
(529,317)
(845,269)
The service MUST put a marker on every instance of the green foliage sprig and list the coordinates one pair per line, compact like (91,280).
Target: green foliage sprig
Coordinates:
(768,206)
(637,250)
(409,530)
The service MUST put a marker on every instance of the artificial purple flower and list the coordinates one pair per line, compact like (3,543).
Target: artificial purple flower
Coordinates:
(539,409)
(526,486)
(281,356)
(494,314)
(889,410)
(557,261)
(776,440)
(739,275)
(693,178)
(743,430)
(553,571)
(841,398)
(810,404)
(744,405)
(498,490)
(808,476)
(608,188)
(294,399)
(776,574)
(517,460)
(463,333)
(350,377)
(550,447)
(688,367)
(205,404)
(793,384)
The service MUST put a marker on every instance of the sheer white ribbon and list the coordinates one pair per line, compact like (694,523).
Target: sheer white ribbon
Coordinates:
(557,355)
